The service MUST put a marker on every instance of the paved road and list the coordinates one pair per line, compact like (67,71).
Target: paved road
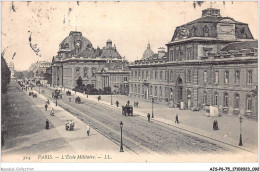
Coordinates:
(139,135)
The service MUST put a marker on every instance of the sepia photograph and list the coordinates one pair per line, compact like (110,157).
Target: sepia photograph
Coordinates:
(129,82)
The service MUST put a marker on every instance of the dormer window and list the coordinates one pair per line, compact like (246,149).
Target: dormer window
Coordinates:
(205,31)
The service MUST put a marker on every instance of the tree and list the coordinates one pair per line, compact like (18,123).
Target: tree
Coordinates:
(30,74)
(18,75)
(5,74)
(79,81)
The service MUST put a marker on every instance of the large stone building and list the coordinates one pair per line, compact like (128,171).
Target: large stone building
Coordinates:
(210,61)
(78,58)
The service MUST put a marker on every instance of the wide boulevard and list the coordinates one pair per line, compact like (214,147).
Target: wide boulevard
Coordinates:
(139,135)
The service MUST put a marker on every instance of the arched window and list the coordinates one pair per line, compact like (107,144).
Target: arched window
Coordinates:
(85,72)
(94,72)
(236,101)
(225,103)
(77,72)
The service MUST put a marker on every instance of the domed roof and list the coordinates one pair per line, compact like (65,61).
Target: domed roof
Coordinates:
(109,40)
(148,52)
(75,39)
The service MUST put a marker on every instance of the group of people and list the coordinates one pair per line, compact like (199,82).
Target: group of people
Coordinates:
(69,125)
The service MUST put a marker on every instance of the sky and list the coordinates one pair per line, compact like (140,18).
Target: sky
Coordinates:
(130,25)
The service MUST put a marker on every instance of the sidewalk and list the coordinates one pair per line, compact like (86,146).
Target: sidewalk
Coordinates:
(193,121)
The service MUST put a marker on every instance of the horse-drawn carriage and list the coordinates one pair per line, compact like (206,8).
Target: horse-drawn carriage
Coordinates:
(77,100)
(30,93)
(68,93)
(69,125)
(57,94)
(127,110)
(34,95)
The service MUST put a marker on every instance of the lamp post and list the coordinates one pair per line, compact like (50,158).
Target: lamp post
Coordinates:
(152,107)
(121,145)
(39,89)
(240,120)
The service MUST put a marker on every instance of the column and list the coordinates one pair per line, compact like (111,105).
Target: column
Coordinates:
(53,76)
(72,77)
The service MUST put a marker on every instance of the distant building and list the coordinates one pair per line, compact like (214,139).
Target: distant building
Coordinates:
(78,58)
(211,61)
(39,68)
(11,68)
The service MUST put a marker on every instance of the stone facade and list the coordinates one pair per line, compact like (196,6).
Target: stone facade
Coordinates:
(77,58)
(210,61)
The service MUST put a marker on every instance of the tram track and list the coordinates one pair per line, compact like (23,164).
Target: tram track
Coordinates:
(139,136)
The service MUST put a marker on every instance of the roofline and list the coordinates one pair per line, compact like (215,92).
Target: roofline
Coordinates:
(207,39)
(236,60)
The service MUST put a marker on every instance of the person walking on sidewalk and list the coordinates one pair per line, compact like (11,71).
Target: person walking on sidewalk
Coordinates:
(88,130)
(149,117)
(46,107)
(47,126)
(177,119)
(128,102)
(117,103)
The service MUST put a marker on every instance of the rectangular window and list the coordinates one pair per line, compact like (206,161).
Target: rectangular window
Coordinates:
(166,72)
(216,77)
(147,75)
(226,77)
(189,76)
(225,100)
(161,75)
(216,98)
(155,75)
(249,76)
(248,103)
(189,53)
(151,75)
(205,76)
(139,75)
(237,101)
(171,55)
(93,72)
(237,77)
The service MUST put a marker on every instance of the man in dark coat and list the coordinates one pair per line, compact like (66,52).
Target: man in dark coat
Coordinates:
(177,119)
(149,117)
(128,102)
(47,124)
(46,107)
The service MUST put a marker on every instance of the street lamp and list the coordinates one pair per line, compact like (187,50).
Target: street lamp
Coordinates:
(152,107)
(240,120)
(121,146)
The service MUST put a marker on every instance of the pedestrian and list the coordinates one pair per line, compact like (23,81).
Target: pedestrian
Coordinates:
(52,112)
(117,103)
(137,104)
(128,102)
(177,119)
(88,130)
(148,116)
(47,124)
(216,125)
(46,107)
